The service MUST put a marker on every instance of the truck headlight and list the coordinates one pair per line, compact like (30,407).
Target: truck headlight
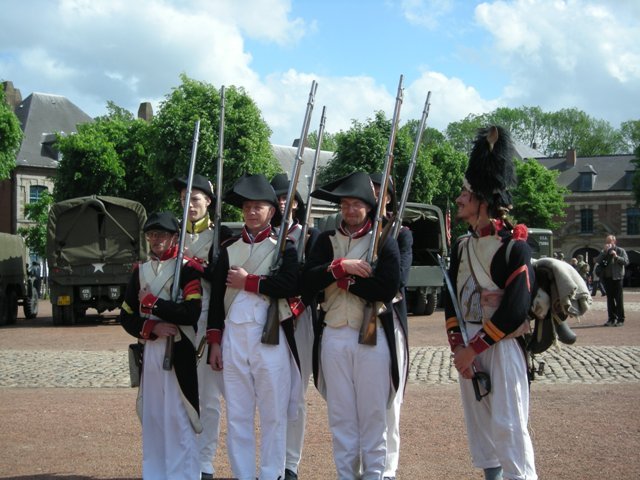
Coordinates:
(85,293)
(114,292)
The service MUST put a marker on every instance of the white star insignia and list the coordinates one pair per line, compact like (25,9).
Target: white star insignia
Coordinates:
(98,267)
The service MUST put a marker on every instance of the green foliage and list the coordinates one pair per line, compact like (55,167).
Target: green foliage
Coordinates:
(538,200)
(246,136)
(329,142)
(630,132)
(552,133)
(90,163)
(35,236)
(10,138)
(361,148)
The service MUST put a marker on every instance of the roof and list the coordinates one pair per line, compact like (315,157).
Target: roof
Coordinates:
(286,156)
(525,151)
(610,171)
(41,115)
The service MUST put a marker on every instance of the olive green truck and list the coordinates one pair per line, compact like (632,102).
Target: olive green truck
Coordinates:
(16,287)
(93,244)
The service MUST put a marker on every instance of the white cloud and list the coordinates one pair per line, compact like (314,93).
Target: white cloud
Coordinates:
(425,13)
(571,53)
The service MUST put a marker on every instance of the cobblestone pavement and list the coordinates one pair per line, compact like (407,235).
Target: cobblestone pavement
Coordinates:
(430,365)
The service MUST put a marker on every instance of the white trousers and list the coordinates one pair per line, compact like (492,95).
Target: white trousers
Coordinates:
(259,375)
(211,390)
(497,425)
(296,428)
(393,412)
(168,440)
(357,379)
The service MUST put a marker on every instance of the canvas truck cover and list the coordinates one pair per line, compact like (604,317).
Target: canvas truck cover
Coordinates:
(95,229)
(13,257)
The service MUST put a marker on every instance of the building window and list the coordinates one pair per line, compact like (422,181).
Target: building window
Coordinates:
(35,192)
(585,182)
(586,220)
(633,221)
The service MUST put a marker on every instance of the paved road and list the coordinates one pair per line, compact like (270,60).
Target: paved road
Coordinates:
(429,365)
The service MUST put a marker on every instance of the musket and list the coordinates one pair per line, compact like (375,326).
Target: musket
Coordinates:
(367,334)
(478,377)
(271,331)
(217,216)
(167,362)
(395,230)
(312,187)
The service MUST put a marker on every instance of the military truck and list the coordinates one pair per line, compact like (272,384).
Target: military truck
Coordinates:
(425,281)
(16,287)
(93,244)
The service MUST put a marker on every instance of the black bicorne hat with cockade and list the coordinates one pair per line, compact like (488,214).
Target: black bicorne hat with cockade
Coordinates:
(199,181)
(355,185)
(491,171)
(256,188)
(164,221)
(280,183)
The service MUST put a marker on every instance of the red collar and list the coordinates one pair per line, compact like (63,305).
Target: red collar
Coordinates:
(493,227)
(170,253)
(247,238)
(357,234)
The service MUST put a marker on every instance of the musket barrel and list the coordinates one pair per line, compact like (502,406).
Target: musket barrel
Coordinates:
(175,288)
(217,217)
(412,167)
(270,332)
(312,186)
(367,334)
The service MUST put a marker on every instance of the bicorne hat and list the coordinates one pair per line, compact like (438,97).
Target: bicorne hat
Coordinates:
(165,221)
(199,181)
(253,187)
(280,183)
(491,171)
(355,185)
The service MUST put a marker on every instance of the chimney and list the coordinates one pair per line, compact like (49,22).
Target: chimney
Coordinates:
(296,142)
(12,96)
(145,111)
(571,157)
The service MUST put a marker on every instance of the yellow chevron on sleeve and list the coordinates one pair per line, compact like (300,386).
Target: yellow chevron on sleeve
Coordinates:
(452,322)
(125,306)
(494,332)
(193,296)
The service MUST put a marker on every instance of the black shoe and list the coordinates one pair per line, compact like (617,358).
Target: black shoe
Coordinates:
(610,323)
(206,476)
(290,474)
(619,324)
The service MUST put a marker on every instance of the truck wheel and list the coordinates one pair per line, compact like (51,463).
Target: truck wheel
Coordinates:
(3,309)
(63,315)
(12,307)
(30,306)
(420,304)
(432,300)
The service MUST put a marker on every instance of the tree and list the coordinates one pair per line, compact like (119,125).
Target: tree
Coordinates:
(246,135)
(538,199)
(329,142)
(10,138)
(35,236)
(550,133)
(630,132)
(90,164)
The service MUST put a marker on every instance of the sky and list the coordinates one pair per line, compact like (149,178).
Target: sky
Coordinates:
(474,56)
